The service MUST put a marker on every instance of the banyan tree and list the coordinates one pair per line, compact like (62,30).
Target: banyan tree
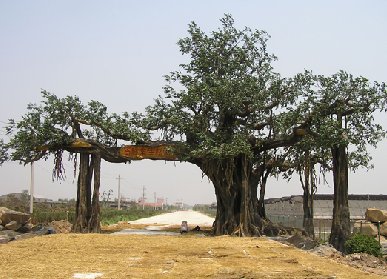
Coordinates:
(236,116)
(226,111)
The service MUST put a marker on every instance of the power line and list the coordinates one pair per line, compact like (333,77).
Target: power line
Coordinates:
(143,197)
(155,200)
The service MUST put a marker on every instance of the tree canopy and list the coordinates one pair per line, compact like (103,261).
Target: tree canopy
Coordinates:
(54,125)
(228,98)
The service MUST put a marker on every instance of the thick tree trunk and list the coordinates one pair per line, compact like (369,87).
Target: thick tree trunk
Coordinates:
(341,228)
(236,193)
(308,223)
(308,195)
(262,192)
(87,214)
(90,171)
(94,222)
(308,215)
(81,223)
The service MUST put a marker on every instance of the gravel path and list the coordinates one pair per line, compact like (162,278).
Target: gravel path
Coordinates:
(175,218)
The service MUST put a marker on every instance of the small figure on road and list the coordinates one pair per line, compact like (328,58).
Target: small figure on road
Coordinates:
(184,227)
(197,228)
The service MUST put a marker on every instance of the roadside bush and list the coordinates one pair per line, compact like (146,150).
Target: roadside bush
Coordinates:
(359,243)
(46,216)
(112,216)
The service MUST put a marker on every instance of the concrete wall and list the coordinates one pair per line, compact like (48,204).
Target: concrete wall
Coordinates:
(323,208)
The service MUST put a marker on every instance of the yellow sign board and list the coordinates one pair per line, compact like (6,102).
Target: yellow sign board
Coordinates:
(80,143)
(76,143)
(139,152)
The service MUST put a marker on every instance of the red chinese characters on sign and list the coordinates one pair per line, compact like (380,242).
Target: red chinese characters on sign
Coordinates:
(139,152)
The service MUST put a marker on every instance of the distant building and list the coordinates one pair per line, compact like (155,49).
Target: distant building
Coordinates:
(159,204)
(20,196)
(41,199)
(179,204)
(323,205)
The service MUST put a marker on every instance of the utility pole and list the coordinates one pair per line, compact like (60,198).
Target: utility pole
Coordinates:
(143,197)
(32,189)
(155,200)
(119,192)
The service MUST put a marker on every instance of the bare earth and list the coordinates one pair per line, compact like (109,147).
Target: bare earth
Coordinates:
(182,256)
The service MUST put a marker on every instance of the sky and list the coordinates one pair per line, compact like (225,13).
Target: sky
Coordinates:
(117,52)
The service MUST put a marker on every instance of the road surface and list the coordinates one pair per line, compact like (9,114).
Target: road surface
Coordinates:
(175,218)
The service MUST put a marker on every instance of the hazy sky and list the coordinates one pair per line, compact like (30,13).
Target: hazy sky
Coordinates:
(117,52)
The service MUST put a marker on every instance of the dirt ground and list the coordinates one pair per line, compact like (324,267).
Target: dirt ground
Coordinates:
(182,256)
(192,255)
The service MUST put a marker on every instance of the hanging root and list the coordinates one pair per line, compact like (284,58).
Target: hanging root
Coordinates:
(73,157)
(58,172)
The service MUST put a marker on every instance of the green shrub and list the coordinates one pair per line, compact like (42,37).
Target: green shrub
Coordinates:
(108,215)
(359,243)
(46,216)
(112,216)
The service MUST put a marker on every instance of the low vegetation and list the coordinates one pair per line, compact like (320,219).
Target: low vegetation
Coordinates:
(359,243)
(45,213)
(113,216)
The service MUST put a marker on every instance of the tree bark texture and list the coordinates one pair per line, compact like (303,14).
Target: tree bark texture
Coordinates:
(81,211)
(89,178)
(87,214)
(262,192)
(341,228)
(309,190)
(236,193)
(308,222)
(94,225)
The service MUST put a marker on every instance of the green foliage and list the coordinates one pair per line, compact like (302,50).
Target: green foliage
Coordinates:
(227,99)
(45,216)
(359,243)
(50,127)
(3,152)
(108,215)
(113,216)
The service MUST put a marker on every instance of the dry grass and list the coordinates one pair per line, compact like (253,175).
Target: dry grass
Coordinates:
(186,256)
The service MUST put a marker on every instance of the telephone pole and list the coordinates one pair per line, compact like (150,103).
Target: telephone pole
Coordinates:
(143,197)
(119,192)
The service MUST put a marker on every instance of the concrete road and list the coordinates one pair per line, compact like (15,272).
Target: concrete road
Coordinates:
(175,218)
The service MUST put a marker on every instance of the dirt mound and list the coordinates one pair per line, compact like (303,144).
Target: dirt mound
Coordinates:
(62,226)
(272,229)
(301,242)
(326,250)
(362,261)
